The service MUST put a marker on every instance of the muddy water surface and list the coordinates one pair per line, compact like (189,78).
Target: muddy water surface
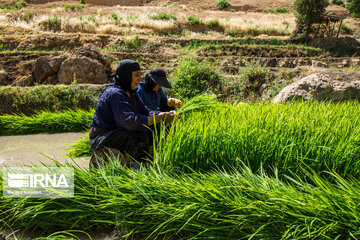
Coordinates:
(28,149)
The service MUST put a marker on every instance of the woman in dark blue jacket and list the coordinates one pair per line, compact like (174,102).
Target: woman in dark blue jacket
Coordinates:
(121,119)
(151,93)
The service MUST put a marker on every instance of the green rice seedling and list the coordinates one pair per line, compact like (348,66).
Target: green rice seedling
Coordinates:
(80,148)
(46,122)
(323,136)
(156,204)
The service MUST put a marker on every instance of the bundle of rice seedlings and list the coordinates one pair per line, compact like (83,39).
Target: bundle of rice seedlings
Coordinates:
(203,102)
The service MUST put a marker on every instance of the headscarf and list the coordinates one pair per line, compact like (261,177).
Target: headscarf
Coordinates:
(123,74)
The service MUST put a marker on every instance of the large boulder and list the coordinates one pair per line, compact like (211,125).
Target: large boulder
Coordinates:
(82,70)
(323,86)
(42,69)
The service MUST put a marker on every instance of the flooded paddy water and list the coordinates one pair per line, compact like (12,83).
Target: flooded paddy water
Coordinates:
(38,148)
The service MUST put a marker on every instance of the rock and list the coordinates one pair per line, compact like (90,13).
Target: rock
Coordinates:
(42,69)
(323,86)
(91,51)
(318,64)
(25,81)
(3,78)
(53,80)
(56,62)
(84,69)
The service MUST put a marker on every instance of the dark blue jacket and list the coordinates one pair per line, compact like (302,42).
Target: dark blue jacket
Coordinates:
(153,100)
(116,110)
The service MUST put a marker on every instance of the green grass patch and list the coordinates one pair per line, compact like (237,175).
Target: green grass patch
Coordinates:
(13,5)
(193,20)
(159,205)
(73,7)
(277,10)
(29,100)
(46,122)
(27,16)
(163,16)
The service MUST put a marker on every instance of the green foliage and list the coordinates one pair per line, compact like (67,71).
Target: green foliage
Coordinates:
(133,43)
(252,77)
(46,122)
(249,83)
(27,16)
(221,4)
(277,10)
(354,7)
(115,17)
(307,13)
(29,100)
(82,1)
(193,20)
(213,23)
(92,18)
(80,149)
(163,16)
(53,24)
(194,77)
(13,5)
(73,7)
(338,2)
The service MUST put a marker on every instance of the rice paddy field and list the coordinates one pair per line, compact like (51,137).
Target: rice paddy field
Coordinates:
(224,171)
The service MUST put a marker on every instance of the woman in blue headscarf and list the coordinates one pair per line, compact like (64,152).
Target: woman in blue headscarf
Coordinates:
(121,118)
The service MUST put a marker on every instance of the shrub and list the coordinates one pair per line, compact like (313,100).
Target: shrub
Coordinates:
(338,2)
(52,24)
(221,4)
(193,20)
(73,7)
(354,7)
(82,1)
(133,43)
(28,16)
(213,23)
(115,17)
(252,77)
(193,78)
(307,13)
(163,16)
(278,10)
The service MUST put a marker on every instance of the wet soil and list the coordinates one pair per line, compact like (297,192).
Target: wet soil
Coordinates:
(38,148)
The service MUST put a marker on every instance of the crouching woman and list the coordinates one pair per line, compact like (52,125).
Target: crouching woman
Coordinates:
(121,120)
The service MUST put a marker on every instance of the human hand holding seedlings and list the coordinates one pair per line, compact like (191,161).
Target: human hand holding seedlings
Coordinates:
(173,102)
(162,116)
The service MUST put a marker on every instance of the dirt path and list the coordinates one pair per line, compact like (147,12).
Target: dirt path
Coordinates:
(28,149)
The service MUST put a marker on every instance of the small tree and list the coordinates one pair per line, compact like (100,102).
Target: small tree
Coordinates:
(354,7)
(307,13)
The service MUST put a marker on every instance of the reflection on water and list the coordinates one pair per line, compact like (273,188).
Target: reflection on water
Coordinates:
(28,149)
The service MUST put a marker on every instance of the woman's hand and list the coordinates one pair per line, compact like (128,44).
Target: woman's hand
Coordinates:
(173,102)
